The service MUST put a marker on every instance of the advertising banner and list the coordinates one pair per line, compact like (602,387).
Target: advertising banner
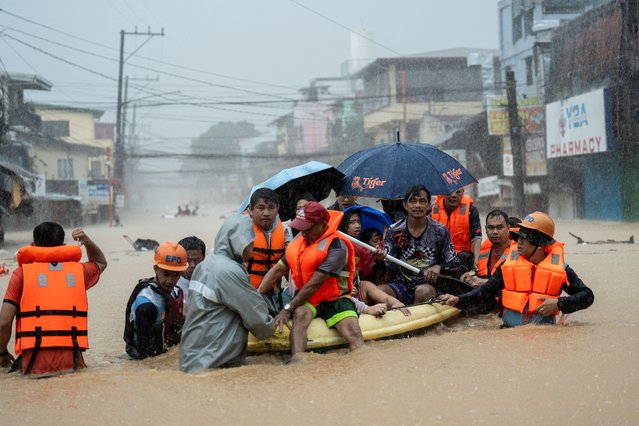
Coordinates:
(507,156)
(579,125)
(535,155)
(99,192)
(488,186)
(530,110)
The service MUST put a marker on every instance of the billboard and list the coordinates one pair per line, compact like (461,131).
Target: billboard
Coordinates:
(579,125)
(530,110)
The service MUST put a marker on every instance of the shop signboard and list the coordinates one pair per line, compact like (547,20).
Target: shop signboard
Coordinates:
(530,110)
(579,125)
(488,186)
(535,155)
(98,192)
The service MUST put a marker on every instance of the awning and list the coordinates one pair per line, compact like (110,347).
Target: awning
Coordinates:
(444,138)
(17,182)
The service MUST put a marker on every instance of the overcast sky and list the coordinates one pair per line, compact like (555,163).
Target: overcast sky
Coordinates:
(218,51)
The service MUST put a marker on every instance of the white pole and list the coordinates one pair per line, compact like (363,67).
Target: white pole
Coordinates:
(373,249)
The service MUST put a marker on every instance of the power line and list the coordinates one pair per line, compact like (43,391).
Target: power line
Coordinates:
(159,94)
(170,74)
(135,14)
(345,27)
(60,58)
(237,156)
(150,12)
(117,9)
(144,57)
(284,99)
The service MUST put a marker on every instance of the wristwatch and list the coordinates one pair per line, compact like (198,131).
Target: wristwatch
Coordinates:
(288,308)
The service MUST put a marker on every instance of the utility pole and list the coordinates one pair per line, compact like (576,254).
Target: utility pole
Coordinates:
(402,77)
(132,126)
(125,104)
(119,155)
(108,164)
(516,143)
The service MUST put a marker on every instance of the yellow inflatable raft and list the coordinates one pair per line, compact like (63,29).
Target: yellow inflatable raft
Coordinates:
(393,323)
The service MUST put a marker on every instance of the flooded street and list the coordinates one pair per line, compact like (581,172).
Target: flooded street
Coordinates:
(462,372)
(165,109)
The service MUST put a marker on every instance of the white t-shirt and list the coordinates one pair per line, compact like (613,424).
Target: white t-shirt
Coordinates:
(183,283)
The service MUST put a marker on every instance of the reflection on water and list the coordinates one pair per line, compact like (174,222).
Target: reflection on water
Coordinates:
(461,372)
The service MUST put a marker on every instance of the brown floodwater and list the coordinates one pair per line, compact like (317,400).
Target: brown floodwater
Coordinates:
(461,372)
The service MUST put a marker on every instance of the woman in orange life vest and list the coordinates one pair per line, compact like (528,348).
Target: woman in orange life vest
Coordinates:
(49,281)
(532,279)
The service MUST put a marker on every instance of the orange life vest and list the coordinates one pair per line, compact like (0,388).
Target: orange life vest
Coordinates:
(525,282)
(53,307)
(484,258)
(265,254)
(458,223)
(304,259)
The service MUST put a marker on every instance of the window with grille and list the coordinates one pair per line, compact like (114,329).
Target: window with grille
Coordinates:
(529,71)
(65,168)
(56,128)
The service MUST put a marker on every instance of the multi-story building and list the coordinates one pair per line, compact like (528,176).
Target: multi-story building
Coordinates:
(18,127)
(524,37)
(53,160)
(71,157)
(592,95)
(420,97)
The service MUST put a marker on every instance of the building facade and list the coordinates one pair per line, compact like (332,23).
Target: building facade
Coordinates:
(419,97)
(592,131)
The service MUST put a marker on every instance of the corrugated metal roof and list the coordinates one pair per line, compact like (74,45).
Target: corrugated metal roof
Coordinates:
(27,81)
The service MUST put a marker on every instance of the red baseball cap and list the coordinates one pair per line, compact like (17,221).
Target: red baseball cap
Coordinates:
(308,215)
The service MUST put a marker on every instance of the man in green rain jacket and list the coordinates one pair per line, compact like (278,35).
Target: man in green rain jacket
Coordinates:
(223,306)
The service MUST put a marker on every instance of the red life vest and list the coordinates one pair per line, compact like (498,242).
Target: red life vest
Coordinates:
(458,223)
(525,282)
(53,307)
(304,259)
(265,254)
(484,257)
(174,317)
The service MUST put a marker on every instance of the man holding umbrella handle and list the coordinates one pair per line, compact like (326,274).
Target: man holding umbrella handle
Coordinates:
(422,243)
(430,274)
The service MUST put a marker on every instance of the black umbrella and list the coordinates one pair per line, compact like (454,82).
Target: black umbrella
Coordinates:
(314,177)
(388,170)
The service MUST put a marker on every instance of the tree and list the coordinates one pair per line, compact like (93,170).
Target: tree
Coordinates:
(223,138)
(222,141)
